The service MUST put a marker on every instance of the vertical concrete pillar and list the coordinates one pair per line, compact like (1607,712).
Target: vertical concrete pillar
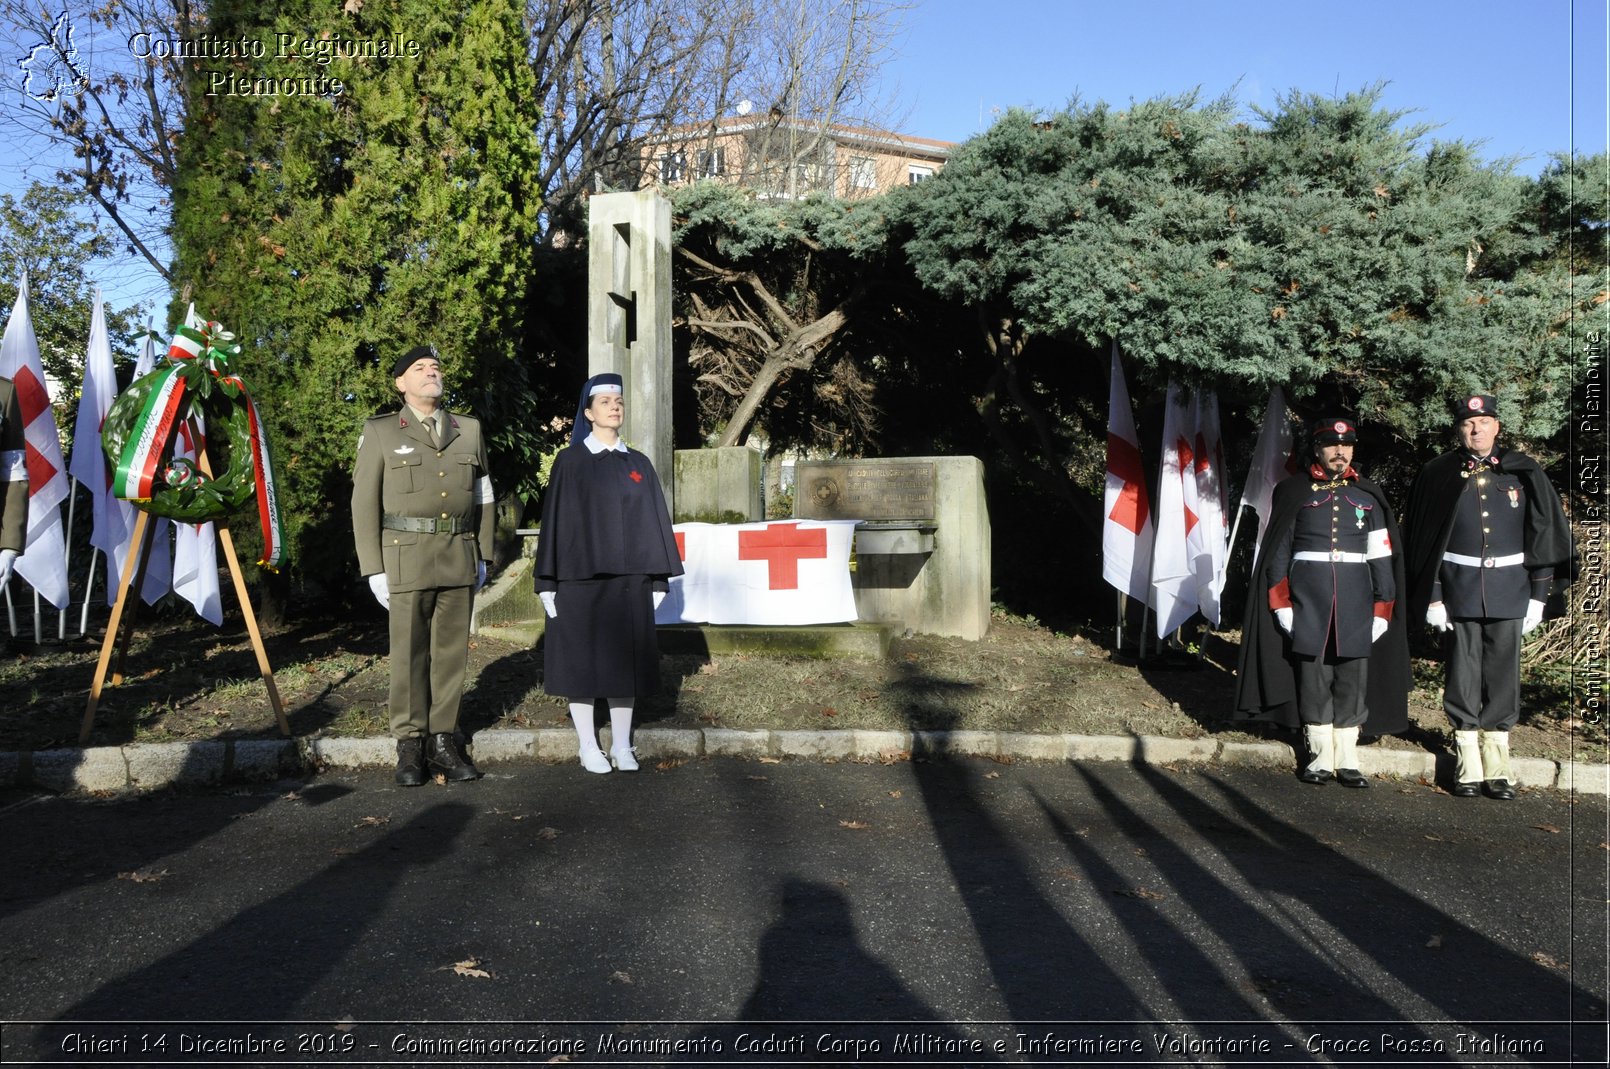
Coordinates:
(629,315)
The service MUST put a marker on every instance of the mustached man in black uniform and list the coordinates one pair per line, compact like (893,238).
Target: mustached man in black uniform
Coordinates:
(1487,539)
(1320,646)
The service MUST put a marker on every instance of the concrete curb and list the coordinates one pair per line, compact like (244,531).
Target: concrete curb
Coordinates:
(150,766)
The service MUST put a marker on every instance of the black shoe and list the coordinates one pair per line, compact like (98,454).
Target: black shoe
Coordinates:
(447,760)
(1466,790)
(1351,777)
(410,762)
(1316,777)
(1500,789)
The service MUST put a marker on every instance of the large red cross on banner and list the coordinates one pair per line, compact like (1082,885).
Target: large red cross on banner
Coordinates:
(1131,510)
(32,400)
(1187,469)
(782,546)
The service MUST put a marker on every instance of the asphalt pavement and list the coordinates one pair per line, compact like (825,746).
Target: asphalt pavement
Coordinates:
(746,911)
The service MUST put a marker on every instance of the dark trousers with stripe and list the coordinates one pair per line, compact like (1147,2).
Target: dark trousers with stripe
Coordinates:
(1483,688)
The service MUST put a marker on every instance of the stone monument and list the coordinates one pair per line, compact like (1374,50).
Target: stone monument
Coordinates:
(629,315)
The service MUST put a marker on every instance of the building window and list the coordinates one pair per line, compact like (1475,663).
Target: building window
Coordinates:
(918,173)
(712,163)
(673,166)
(863,172)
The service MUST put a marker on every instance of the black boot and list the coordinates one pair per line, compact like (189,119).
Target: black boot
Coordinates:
(446,759)
(410,762)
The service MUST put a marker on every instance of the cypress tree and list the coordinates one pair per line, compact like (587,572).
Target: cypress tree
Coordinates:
(333,230)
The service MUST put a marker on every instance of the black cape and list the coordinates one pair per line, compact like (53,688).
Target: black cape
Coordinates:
(1429,514)
(606,544)
(1266,674)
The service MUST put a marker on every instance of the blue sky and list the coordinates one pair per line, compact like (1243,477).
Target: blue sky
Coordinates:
(1526,77)
(1484,70)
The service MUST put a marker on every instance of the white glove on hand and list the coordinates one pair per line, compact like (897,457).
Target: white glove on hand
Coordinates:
(1283,617)
(8,561)
(382,592)
(1533,617)
(659,596)
(480,574)
(1437,616)
(548,606)
(1378,628)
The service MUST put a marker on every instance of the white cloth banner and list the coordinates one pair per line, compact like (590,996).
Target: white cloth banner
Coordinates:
(44,560)
(1210,563)
(779,572)
(1272,460)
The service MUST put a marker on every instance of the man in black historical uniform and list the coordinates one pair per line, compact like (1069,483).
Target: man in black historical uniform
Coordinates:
(422,518)
(1487,537)
(1321,646)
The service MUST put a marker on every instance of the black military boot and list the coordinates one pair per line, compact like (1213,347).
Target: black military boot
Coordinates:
(410,762)
(448,760)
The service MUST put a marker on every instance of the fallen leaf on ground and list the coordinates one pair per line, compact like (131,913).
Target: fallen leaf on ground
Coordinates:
(854,825)
(992,775)
(290,796)
(1141,892)
(1551,829)
(1547,962)
(144,875)
(669,763)
(894,794)
(771,760)
(372,822)
(761,778)
(548,834)
(1434,943)
(830,711)
(468,967)
(1436,838)
(893,757)
(440,780)
(709,669)
(619,977)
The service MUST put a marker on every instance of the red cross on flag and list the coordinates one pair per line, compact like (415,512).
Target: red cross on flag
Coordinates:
(1126,527)
(779,572)
(1173,573)
(44,560)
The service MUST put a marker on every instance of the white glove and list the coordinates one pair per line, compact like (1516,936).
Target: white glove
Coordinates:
(1533,617)
(1437,616)
(1378,628)
(382,592)
(8,560)
(659,596)
(1283,617)
(548,597)
(480,574)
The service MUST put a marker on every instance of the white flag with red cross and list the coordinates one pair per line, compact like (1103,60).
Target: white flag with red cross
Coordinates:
(779,572)
(1126,526)
(113,526)
(1173,571)
(44,560)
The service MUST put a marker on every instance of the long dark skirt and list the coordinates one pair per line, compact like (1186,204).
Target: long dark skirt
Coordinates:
(602,644)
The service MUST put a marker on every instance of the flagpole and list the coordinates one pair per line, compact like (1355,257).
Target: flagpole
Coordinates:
(89,591)
(1118,622)
(11,610)
(67,554)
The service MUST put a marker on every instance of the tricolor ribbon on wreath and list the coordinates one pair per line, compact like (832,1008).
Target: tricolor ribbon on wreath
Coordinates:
(139,439)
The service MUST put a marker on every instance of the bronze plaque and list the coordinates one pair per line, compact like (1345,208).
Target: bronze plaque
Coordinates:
(864,490)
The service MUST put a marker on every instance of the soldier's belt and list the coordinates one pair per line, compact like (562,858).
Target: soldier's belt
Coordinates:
(1334,556)
(1485,562)
(425,524)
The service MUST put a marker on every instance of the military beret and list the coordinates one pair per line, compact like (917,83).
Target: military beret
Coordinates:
(1335,430)
(1475,404)
(406,360)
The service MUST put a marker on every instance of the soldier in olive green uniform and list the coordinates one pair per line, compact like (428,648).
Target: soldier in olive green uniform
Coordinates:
(13,481)
(422,517)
